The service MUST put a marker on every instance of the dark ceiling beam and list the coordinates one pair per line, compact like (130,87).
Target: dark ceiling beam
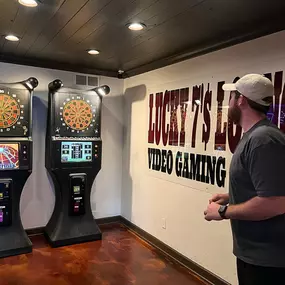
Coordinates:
(56,65)
(259,31)
(216,44)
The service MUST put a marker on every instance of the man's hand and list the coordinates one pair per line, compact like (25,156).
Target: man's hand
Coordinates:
(212,212)
(221,199)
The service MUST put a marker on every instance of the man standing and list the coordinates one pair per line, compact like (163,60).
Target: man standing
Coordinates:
(256,200)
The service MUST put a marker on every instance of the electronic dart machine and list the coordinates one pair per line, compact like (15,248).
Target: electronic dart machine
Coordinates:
(73,160)
(15,162)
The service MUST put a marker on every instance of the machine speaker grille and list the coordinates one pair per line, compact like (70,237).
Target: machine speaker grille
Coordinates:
(81,80)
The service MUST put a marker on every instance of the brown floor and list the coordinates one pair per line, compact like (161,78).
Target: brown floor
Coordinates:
(119,259)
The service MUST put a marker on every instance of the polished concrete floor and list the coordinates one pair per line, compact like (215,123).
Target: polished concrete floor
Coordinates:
(119,259)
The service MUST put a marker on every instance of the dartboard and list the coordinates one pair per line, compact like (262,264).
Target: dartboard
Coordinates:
(13,112)
(77,114)
(9,111)
(9,156)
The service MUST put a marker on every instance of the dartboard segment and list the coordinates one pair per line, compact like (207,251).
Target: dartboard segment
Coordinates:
(14,112)
(9,111)
(77,115)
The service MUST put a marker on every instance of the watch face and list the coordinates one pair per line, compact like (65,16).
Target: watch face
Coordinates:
(222,211)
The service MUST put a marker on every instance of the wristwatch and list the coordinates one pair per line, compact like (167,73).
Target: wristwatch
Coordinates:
(222,211)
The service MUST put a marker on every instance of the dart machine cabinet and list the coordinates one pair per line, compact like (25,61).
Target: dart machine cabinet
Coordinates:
(15,162)
(73,160)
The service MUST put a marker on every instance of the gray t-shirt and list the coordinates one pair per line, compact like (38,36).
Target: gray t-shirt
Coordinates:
(257,169)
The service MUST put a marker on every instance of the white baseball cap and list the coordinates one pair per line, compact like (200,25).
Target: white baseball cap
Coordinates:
(255,87)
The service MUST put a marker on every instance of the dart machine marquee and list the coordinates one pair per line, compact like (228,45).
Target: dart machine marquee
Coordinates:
(73,160)
(15,162)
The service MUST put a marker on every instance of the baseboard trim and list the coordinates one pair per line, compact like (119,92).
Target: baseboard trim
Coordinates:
(161,247)
(100,222)
(166,250)
(35,231)
(109,220)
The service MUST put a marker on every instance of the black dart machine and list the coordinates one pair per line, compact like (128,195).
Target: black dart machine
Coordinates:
(15,162)
(73,160)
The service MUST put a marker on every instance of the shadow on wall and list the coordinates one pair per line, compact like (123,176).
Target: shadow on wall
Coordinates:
(131,96)
(110,175)
(37,200)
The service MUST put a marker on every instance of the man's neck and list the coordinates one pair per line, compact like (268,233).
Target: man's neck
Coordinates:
(251,120)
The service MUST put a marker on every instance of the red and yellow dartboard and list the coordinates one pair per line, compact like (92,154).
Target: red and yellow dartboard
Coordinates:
(77,114)
(10,111)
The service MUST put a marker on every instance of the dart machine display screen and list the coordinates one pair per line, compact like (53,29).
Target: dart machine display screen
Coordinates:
(76,152)
(9,156)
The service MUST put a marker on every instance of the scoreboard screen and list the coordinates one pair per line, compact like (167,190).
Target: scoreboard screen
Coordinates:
(76,152)
(9,156)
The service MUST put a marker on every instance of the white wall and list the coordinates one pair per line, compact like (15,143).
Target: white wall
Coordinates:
(149,196)
(125,185)
(37,200)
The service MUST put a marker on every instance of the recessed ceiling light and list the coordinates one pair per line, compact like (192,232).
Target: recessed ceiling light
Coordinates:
(12,38)
(29,3)
(93,51)
(136,26)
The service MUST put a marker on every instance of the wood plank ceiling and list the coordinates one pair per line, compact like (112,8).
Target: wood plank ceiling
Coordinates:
(57,33)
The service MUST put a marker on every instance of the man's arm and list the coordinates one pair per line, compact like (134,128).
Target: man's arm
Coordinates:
(257,209)
(265,167)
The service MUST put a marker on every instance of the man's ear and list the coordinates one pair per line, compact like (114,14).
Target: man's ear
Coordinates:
(241,101)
